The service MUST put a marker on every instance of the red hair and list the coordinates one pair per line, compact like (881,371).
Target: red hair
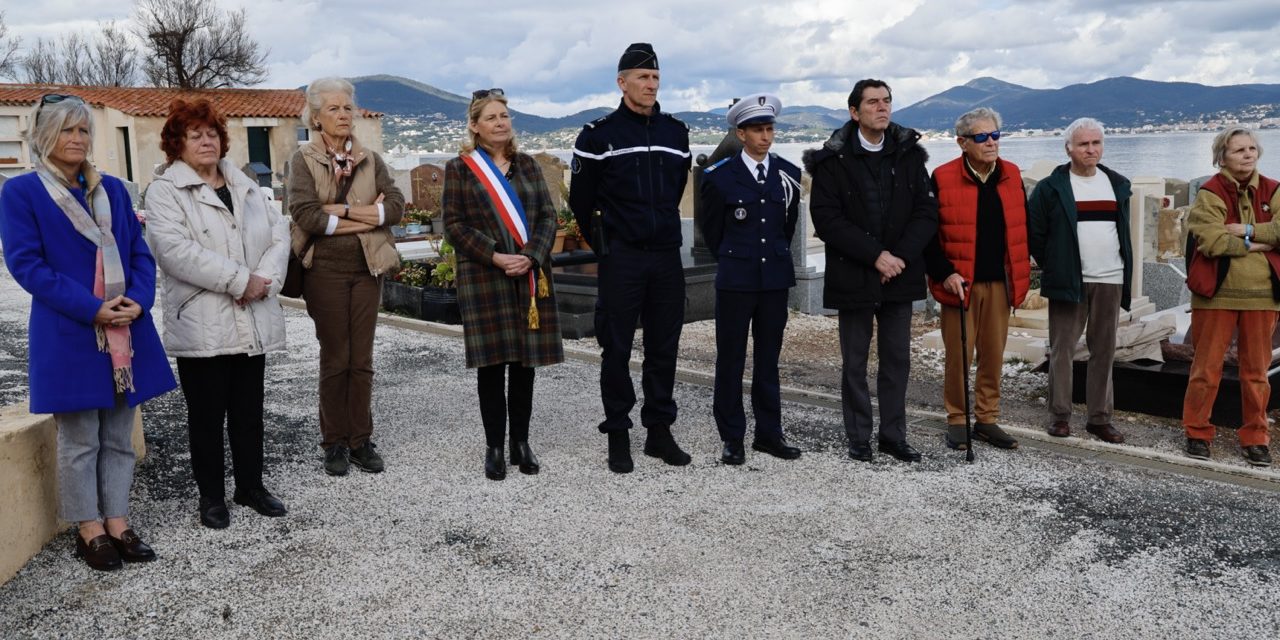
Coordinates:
(185,116)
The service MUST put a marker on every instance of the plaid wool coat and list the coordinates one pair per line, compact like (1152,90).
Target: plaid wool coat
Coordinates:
(495,307)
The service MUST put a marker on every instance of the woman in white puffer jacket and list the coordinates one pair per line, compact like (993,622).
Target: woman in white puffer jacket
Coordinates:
(223,250)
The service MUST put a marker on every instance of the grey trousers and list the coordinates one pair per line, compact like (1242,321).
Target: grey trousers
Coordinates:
(893,347)
(1097,317)
(95,462)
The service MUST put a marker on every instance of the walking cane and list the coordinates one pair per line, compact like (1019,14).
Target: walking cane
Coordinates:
(964,360)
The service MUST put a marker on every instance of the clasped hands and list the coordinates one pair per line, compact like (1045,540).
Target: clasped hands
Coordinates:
(119,311)
(1237,229)
(889,266)
(512,264)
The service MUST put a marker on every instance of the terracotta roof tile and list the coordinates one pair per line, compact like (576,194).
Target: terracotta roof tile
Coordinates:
(151,101)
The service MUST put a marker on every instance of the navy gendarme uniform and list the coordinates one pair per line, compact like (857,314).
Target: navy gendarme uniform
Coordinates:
(748,227)
(632,168)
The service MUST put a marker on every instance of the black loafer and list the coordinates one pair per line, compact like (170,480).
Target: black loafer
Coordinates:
(1198,449)
(214,514)
(733,453)
(900,450)
(776,447)
(131,548)
(495,465)
(98,553)
(522,456)
(260,500)
(860,451)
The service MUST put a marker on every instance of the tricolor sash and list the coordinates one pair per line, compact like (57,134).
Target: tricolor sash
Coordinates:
(511,216)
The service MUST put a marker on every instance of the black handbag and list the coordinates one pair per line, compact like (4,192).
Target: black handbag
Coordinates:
(292,287)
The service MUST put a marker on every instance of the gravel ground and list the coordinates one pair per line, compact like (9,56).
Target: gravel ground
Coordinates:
(1025,544)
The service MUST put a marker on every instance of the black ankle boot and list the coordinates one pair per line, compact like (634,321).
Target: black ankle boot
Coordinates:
(620,452)
(660,444)
(522,456)
(495,467)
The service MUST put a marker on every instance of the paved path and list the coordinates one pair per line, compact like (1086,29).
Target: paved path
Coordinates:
(1035,543)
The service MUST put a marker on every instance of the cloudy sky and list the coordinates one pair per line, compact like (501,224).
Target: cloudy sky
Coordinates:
(556,58)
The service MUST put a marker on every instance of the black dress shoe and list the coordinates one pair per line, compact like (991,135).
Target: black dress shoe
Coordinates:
(131,548)
(733,453)
(620,452)
(495,464)
(522,456)
(260,500)
(98,553)
(860,451)
(660,444)
(214,514)
(776,447)
(900,450)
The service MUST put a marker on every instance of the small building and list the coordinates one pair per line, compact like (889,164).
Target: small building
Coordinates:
(264,125)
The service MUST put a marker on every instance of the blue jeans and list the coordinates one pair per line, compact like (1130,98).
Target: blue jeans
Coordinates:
(95,462)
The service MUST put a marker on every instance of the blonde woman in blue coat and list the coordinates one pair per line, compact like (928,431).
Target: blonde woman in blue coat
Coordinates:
(71,239)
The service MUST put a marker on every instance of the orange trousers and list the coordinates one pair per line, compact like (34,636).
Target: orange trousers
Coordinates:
(1211,331)
(987,330)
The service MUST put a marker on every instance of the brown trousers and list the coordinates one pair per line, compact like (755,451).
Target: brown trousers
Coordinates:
(344,307)
(1211,331)
(1100,311)
(987,330)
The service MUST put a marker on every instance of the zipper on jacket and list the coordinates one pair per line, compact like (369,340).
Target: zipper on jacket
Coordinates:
(653,209)
(186,303)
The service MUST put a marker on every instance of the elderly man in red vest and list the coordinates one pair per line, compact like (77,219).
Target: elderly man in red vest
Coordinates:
(979,268)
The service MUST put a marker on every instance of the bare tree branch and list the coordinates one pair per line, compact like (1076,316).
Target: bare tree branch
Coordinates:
(41,64)
(9,58)
(115,60)
(106,59)
(193,45)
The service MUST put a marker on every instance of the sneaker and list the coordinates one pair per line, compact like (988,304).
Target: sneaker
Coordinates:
(335,460)
(1258,455)
(1198,449)
(955,437)
(993,435)
(366,459)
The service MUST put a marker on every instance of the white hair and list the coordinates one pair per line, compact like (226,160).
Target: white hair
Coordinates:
(315,99)
(1087,124)
(964,124)
(1223,138)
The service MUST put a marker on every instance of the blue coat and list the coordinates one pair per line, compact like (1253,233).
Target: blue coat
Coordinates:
(55,264)
(748,226)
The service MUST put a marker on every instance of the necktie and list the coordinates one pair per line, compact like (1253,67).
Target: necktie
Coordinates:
(760,172)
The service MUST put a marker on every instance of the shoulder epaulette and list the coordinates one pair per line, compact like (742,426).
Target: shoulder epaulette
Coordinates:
(600,120)
(713,167)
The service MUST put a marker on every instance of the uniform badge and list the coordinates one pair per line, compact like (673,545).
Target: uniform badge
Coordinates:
(740,213)
(576,165)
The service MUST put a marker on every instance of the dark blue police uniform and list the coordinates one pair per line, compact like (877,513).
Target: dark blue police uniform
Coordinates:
(748,227)
(632,169)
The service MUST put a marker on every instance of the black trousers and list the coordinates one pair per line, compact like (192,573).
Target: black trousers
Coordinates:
(218,389)
(496,407)
(893,347)
(763,315)
(637,285)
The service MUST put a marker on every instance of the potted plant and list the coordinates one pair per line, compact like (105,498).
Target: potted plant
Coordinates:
(440,298)
(564,218)
(431,222)
(571,234)
(412,221)
(402,292)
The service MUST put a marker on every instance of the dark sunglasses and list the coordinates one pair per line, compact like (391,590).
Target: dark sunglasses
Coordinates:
(982,137)
(55,98)
(484,93)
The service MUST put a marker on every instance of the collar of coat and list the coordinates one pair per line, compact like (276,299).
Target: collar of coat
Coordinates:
(182,176)
(903,140)
(316,151)
(1060,182)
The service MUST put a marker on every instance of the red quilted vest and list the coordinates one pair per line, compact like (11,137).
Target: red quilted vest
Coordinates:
(1205,274)
(958,227)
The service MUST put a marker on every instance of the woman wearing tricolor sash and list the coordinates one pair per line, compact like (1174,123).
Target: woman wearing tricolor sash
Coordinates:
(72,240)
(499,216)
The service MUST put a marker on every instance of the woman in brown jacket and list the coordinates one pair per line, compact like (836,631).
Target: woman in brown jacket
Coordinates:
(342,200)
(498,214)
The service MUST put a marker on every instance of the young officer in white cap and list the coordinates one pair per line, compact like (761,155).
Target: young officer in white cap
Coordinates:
(752,202)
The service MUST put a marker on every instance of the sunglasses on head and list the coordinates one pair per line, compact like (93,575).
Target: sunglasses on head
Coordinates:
(484,93)
(55,98)
(982,137)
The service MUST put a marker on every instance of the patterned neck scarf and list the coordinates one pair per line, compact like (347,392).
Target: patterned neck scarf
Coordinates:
(339,160)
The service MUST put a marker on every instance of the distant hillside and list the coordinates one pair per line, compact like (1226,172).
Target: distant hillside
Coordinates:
(1123,102)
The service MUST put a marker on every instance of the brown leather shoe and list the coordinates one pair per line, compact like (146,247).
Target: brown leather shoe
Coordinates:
(98,553)
(1060,429)
(131,548)
(1105,432)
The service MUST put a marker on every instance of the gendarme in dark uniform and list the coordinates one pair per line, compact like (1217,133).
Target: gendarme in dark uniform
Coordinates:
(752,202)
(629,173)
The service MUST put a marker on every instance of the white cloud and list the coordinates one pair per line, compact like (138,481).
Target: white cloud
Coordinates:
(557,58)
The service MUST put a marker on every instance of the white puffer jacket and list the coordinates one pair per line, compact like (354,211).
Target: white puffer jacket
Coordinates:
(207,253)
